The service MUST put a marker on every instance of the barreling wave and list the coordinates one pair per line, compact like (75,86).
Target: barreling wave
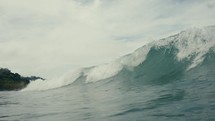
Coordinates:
(183,55)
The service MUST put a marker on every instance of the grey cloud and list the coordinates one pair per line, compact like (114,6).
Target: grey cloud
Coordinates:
(48,37)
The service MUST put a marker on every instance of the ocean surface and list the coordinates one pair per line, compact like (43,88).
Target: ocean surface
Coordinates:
(172,79)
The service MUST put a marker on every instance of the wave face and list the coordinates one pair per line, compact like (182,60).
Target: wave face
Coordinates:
(181,56)
(172,79)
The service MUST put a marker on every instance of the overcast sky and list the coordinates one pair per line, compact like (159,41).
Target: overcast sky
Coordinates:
(50,37)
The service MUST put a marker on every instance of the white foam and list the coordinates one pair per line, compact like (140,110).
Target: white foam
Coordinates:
(54,83)
(103,71)
(111,69)
(135,58)
(195,42)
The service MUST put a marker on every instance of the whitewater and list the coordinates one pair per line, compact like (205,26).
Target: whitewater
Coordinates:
(171,79)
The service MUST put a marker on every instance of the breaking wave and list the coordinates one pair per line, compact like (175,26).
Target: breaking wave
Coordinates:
(178,56)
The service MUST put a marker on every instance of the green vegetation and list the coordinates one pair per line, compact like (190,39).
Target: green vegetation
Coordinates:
(13,81)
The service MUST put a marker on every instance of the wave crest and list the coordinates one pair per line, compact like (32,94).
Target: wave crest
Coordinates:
(186,49)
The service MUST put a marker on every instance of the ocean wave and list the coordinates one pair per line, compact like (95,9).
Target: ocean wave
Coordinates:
(165,59)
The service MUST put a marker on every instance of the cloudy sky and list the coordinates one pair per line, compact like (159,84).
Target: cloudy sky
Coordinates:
(50,37)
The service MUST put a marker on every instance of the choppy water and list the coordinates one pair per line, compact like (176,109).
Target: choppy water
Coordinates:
(155,83)
(191,100)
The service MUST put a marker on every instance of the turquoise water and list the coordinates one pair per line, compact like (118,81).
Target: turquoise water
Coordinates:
(159,89)
(114,101)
